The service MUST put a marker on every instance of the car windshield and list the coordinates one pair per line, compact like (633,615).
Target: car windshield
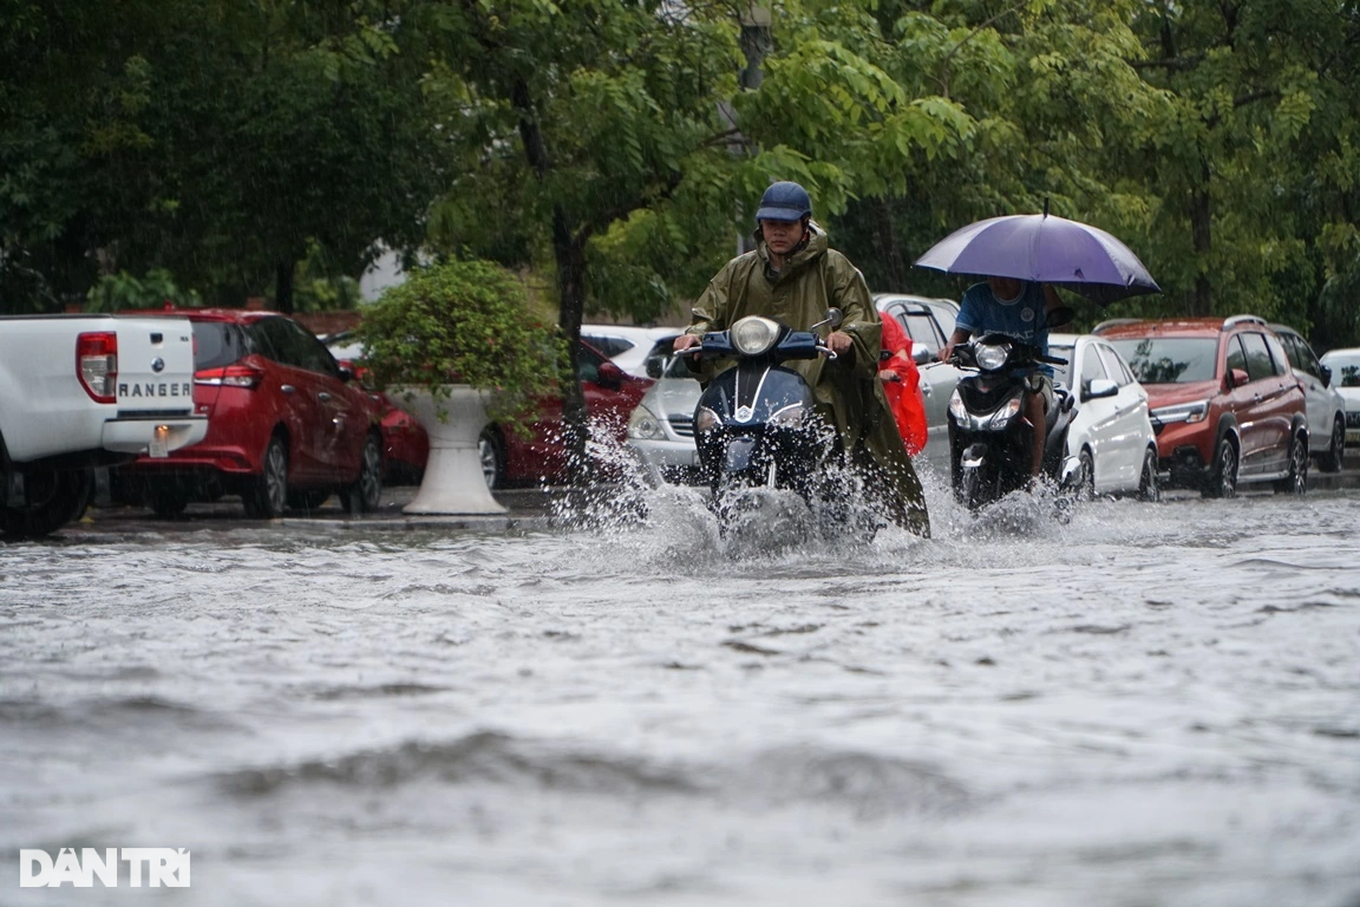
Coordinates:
(1170,360)
(217,343)
(1346,369)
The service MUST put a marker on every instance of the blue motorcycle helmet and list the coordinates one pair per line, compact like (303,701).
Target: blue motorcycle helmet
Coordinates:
(784,201)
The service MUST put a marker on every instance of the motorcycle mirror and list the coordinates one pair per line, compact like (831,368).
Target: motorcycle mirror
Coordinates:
(831,319)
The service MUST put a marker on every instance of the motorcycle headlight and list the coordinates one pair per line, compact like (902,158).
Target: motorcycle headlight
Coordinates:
(705,420)
(992,356)
(789,416)
(957,409)
(754,335)
(644,426)
(1003,415)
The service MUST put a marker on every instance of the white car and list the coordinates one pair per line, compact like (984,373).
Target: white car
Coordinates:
(1323,403)
(1111,432)
(626,345)
(661,427)
(1345,366)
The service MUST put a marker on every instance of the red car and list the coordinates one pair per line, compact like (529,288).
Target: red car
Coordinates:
(1230,409)
(611,394)
(287,426)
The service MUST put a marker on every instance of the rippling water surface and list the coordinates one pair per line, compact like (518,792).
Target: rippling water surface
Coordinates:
(1147,705)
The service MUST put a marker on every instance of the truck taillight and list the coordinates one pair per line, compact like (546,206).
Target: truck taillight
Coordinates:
(97,365)
(230,376)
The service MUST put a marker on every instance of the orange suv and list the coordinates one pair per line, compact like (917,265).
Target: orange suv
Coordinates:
(1226,405)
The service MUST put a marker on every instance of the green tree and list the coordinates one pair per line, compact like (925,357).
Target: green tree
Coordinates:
(602,139)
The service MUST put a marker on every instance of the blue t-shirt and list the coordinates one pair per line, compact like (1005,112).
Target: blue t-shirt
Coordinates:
(1023,318)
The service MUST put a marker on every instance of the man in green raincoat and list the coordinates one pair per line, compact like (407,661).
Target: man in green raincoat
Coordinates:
(794,276)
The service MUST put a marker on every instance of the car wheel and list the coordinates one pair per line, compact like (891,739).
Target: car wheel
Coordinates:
(267,494)
(1148,490)
(492,454)
(1330,460)
(54,497)
(169,504)
(363,496)
(1086,482)
(1223,476)
(1297,480)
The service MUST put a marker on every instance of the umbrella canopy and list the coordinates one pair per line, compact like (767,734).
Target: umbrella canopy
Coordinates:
(1046,249)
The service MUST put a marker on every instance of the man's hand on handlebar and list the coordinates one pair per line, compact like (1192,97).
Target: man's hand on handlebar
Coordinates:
(839,342)
(684,342)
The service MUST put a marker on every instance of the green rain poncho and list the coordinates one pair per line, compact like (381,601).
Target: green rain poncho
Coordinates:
(848,392)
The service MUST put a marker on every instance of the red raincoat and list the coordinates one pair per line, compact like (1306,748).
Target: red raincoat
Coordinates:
(902,382)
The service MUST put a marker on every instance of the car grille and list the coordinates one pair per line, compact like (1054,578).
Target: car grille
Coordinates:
(683,425)
(1353,419)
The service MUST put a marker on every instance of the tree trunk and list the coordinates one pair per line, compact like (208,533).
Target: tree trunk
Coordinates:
(283,287)
(570,252)
(1201,221)
(887,245)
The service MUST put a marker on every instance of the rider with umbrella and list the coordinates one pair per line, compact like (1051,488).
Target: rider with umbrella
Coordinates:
(1026,254)
(1021,309)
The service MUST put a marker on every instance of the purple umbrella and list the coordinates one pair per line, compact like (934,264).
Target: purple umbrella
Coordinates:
(1046,249)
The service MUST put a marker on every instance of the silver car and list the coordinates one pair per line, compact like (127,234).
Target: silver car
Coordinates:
(661,427)
(1323,403)
(928,322)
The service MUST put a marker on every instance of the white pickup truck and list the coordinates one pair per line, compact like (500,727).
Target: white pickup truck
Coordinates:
(80,391)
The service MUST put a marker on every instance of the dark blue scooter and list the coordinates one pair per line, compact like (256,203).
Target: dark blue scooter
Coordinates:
(756,424)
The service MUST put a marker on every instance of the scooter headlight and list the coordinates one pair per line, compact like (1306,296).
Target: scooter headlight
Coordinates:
(992,356)
(957,409)
(644,426)
(789,416)
(1003,415)
(754,335)
(705,420)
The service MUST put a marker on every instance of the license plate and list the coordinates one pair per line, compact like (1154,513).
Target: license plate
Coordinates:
(158,448)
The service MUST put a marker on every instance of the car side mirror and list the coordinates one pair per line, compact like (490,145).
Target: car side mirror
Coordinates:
(1237,377)
(1326,372)
(609,375)
(1099,387)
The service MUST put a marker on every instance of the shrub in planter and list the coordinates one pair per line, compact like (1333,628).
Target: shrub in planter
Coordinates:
(463,322)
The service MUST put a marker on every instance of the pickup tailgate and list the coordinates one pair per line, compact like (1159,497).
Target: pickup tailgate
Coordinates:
(155,367)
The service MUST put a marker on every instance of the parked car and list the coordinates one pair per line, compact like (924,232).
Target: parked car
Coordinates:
(1111,432)
(1230,408)
(1324,403)
(287,426)
(1345,366)
(929,322)
(626,345)
(611,394)
(661,427)
(406,445)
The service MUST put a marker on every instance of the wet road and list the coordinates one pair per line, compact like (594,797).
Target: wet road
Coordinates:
(1147,705)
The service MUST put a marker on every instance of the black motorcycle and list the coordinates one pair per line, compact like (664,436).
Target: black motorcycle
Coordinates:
(756,424)
(991,443)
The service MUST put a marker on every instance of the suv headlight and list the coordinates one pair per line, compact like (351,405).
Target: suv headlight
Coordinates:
(754,335)
(1182,412)
(644,426)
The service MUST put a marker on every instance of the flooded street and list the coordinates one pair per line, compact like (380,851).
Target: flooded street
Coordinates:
(1147,705)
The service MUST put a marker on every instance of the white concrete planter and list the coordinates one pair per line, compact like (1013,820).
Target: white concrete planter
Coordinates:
(453,481)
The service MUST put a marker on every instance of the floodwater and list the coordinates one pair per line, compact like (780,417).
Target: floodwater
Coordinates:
(1145,706)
